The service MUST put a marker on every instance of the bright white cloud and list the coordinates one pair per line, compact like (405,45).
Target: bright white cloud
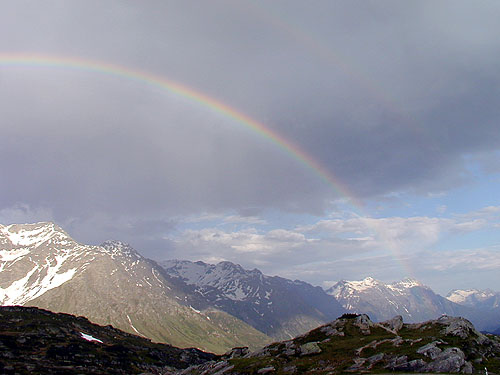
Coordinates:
(337,248)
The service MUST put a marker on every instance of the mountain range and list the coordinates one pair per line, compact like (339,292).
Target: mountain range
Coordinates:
(409,298)
(279,307)
(195,304)
(42,266)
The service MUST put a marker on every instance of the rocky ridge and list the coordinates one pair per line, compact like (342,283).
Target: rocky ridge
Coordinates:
(355,344)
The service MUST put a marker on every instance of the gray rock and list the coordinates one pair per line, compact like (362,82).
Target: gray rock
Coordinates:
(430,350)
(266,370)
(364,323)
(450,360)
(468,368)
(398,363)
(394,324)
(331,331)
(459,327)
(397,341)
(237,352)
(310,348)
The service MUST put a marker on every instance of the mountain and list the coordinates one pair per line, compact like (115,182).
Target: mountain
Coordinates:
(354,344)
(42,266)
(279,307)
(409,298)
(480,299)
(35,341)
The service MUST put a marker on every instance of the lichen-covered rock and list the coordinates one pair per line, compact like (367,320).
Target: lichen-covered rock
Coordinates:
(364,323)
(450,360)
(394,324)
(430,350)
(310,348)
(459,327)
(329,330)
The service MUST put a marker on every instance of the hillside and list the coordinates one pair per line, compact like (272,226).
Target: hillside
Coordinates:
(354,344)
(35,341)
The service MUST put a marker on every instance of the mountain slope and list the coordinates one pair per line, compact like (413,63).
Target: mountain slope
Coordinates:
(40,265)
(279,307)
(408,298)
(34,341)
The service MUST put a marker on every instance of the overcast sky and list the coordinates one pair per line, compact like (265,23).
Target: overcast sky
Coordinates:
(396,101)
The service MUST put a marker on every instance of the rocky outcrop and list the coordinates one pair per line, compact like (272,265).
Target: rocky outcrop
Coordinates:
(354,344)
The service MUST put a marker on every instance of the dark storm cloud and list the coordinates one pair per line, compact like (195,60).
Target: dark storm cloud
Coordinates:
(387,96)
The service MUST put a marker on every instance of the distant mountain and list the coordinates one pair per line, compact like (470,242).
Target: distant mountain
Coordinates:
(279,307)
(41,265)
(480,299)
(35,341)
(409,298)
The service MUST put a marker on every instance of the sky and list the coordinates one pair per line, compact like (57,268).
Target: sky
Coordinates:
(318,141)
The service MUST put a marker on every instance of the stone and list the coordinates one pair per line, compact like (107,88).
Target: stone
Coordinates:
(266,370)
(331,331)
(237,352)
(364,323)
(450,360)
(310,348)
(430,350)
(394,324)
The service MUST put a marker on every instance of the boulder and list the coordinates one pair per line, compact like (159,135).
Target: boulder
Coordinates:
(237,352)
(364,323)
(430,350)
(310,348)
(394,324)
(450,360)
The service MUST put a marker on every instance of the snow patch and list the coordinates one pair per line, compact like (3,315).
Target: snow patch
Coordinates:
(89,337)
(135,329)
(28,237)
(196,311)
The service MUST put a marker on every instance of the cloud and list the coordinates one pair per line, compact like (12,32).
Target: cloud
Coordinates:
(23,213)
(385,102)
(462,260)
(382,111)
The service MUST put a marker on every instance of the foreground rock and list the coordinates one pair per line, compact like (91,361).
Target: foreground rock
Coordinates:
(355,344)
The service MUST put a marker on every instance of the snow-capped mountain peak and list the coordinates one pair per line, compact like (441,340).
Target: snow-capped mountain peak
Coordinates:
(483,299)
(405,284)
(29,235)
(118,248)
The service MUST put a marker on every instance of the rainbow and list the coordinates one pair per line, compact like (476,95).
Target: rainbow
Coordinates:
(200,98)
